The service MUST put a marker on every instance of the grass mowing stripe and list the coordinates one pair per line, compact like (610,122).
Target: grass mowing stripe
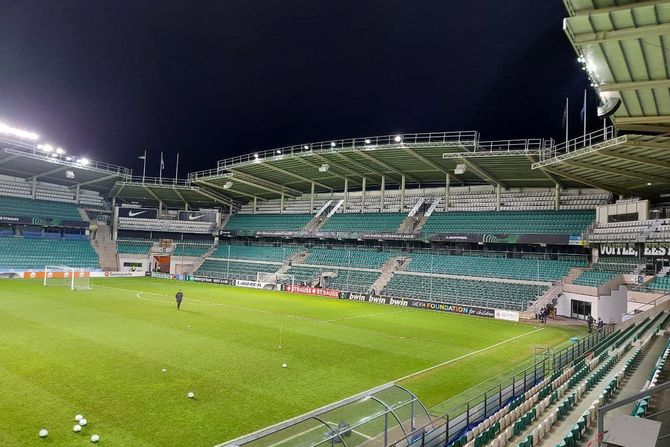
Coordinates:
(448,362)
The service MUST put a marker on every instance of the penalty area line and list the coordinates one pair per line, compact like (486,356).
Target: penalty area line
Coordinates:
(454,360)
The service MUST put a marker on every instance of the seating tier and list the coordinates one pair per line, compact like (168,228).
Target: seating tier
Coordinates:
(36,253)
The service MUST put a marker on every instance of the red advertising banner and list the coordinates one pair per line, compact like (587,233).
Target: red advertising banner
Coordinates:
(307,290)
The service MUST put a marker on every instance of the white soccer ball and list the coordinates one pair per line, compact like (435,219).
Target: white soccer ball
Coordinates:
(83,422)
(95,438)
(44,433)
(190,395)
(284,365)
(76,428)
(78,417)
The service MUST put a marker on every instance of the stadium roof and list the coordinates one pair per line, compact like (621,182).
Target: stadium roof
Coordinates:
(623,47)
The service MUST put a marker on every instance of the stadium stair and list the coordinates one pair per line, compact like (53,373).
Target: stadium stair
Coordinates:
(394,264)
(105,247)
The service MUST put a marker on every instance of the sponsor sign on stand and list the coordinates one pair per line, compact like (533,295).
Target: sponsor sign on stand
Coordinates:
(307,290)
(209,280)
(509,315)
(160,275)
(419,304)
(650,249)
(197,216)
(138,213)
(254,284)
(44,222)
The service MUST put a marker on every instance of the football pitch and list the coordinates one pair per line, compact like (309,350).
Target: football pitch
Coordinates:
(125,358)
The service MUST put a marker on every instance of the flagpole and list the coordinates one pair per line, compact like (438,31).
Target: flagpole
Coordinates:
(567,120)
(144,165)
(176,170)
(160,171)
(584,112)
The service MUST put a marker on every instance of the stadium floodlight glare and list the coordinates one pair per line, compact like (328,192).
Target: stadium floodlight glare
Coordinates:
(45,147)
(227,185)
(60,150)
(278,151)
(306,147)
(84,161)
(367,141)
(648,183)
(256,156)
(68,158)
(54,155)
(397,139)
(69,174)
(332,144)
(9,130)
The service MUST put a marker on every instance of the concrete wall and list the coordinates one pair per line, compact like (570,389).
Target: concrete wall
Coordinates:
(608,307)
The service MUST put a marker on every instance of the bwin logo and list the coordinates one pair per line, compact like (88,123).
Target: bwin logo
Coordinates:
(398,302)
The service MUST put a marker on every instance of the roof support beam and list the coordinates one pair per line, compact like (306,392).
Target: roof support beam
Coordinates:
(624,172)
(300,177)
(388,166)
(212,185)
(636,159)
(592,183)
(639,32)
(628,6)
(152,194)
(187,205)
(95,180)
(352,162)
(262,184)
(343,177)
(617,86)
(430,163)
(49,172)
(481,173)
(660,119)
(10,158)
(215,197)
(552,177)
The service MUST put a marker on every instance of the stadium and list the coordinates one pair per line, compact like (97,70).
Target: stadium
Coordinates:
(431,289)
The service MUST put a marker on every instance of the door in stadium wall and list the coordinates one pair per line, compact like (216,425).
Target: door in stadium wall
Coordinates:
(162,264)
(580,309)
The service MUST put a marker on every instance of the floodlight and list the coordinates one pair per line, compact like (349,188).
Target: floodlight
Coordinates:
(8,130)
(256,156)
(45,147)
(460,169)
(332,144)
(397,139)
(279,151)
(60,150)
(68,158)
(648,183)
(305,147)
(54,155)
(367,141)
(84,161)
(69,174)
(227,185)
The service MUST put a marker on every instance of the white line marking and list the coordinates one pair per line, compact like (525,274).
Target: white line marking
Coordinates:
(467,355)
(365,316)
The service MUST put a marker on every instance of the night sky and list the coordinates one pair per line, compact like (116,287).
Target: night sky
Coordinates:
(212,79)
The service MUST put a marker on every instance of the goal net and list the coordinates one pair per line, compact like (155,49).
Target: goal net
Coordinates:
(62,275)
(274,278)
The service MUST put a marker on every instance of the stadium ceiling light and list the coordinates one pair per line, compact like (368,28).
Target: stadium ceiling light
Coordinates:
(397,139)
(256,156)
(332,144)
(60,150)
(68,158)
(45,147)
(8,130)
(84,161)
(305,147)
(279,151)
(54,155)
(367,141)
(648,183)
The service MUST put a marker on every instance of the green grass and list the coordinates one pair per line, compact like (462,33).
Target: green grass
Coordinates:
(101,353)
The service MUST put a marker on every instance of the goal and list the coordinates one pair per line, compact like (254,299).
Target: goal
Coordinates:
(274,278)
(62,275)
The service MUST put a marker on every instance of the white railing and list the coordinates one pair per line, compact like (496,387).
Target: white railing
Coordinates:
(75,162)
(458,138)
(580,142)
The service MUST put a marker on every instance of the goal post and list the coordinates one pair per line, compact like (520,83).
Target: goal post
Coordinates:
(275,278)
(71,277)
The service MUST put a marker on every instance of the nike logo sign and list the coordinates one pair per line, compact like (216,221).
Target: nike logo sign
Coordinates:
(132,214)
(192,217)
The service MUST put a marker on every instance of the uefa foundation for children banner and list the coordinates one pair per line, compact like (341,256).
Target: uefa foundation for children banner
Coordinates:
(419,304)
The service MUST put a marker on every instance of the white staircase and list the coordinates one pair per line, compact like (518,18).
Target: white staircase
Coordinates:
(391,266)
(105,247)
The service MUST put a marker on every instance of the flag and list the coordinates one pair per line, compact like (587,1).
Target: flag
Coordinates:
(564,122)
(142,157)
(162,163)
(582,114)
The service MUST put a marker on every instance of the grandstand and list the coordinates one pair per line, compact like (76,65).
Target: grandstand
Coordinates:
(446,221)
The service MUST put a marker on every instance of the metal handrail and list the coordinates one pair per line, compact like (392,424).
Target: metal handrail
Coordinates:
(75,162)
(580,142)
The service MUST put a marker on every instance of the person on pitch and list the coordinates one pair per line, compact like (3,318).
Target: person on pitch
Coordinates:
(179,296)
